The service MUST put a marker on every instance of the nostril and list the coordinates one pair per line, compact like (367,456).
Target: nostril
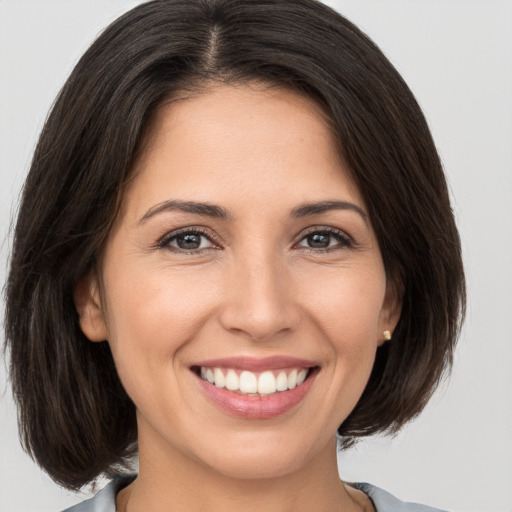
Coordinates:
(261,324)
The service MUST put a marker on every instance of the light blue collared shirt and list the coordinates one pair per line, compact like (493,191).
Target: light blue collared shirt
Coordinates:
(105,500)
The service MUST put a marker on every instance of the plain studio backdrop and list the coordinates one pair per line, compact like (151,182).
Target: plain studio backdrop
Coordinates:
(456,55)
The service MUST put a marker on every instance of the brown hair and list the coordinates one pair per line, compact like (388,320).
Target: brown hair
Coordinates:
(75,417)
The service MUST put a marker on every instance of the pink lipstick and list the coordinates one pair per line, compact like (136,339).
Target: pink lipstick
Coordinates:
(256,388)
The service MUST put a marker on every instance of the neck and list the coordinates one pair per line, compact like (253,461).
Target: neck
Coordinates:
(176,482)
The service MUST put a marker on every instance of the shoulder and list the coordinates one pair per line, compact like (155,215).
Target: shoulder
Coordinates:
(104,500)
(386,502)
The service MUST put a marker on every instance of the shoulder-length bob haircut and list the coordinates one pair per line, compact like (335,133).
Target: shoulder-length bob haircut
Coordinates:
(75,418)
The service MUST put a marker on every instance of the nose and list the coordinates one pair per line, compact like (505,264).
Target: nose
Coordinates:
(260,300)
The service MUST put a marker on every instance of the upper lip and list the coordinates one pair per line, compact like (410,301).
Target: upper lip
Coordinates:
(256,364)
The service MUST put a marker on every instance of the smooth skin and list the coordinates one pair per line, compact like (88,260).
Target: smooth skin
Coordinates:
(257,275)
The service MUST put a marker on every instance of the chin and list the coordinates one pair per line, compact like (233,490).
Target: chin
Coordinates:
(262,458)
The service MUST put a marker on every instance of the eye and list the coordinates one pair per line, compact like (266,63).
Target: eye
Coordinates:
(187,241)
(324,239)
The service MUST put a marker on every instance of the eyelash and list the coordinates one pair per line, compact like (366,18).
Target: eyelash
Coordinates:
(344,241)
(165,242)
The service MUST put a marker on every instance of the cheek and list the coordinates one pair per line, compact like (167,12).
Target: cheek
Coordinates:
(153,314)
(347,312)
(348,306)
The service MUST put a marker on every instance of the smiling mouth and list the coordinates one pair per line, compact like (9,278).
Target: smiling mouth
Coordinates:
(248,383)
(254,388)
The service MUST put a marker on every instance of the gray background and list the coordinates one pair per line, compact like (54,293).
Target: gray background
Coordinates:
(456,56)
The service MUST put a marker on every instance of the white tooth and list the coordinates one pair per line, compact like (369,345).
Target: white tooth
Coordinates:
(301,377)
(282,381)
(248,382)
(266,383)
(220,380)
(203,372)
(232,382)
(209,376)
(292,379)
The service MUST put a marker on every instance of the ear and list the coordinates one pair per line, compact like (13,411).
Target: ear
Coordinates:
(87,299)
(391,309)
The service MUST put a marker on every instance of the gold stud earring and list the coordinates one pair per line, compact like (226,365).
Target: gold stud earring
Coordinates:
(387,335)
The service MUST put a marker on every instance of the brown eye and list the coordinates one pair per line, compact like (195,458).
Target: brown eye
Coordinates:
(318,240)
(187,241)
(324,239)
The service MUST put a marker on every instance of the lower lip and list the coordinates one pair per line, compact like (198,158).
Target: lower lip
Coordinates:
(256,407)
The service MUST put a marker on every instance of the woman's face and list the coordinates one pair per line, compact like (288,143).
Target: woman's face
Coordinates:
(242,290)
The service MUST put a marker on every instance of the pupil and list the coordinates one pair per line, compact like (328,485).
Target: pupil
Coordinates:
(190,241)
(318,240)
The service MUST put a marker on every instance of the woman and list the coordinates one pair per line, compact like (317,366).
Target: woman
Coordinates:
(235,244)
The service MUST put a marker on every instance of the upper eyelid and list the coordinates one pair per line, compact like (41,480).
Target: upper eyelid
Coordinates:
(324,229)
(165,239)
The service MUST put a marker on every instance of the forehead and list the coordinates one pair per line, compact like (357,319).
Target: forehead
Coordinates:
(238,136)
(225,109)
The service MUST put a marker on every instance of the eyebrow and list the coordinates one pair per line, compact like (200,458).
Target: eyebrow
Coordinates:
(208,210)
(306,209)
